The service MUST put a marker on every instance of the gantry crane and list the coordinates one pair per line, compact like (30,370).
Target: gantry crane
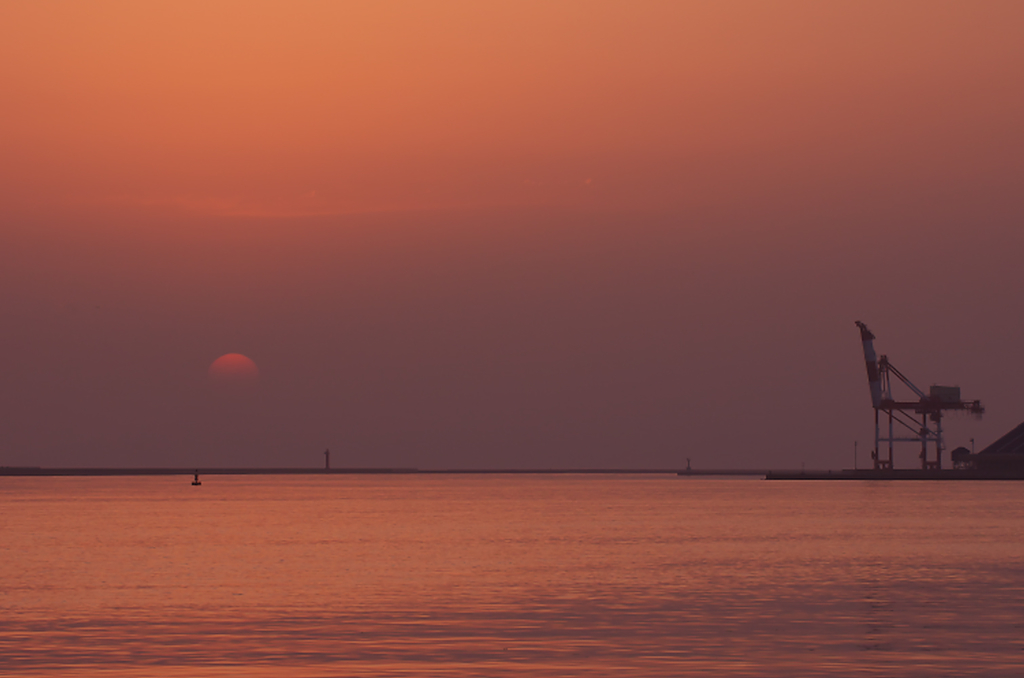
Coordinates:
(904,412)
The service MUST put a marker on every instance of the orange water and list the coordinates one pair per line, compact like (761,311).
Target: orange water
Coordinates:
(509,575)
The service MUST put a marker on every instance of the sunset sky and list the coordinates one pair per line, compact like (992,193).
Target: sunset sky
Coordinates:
(503,234)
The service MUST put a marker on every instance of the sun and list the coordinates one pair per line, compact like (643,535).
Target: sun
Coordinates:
(234,369)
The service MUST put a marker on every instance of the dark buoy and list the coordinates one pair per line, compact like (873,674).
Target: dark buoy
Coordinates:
(195,480)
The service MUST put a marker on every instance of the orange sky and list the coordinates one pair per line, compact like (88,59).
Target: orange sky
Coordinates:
(277,108)
(502,233)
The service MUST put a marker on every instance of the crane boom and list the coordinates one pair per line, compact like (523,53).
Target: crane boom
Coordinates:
(874,380)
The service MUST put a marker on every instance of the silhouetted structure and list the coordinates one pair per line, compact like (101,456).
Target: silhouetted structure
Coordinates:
(929,406)
(1005,455)
(962,458)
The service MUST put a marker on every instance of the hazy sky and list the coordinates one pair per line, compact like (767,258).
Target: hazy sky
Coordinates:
(496,234)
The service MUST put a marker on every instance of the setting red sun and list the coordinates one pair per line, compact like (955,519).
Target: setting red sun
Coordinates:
(234,368)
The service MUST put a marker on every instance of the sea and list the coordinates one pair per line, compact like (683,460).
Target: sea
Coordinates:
(509,575)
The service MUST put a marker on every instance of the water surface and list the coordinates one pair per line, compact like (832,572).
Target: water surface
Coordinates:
(509,575)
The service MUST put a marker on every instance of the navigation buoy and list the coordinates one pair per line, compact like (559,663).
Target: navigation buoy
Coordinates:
(195,480)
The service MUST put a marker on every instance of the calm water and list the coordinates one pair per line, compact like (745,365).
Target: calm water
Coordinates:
(509,575)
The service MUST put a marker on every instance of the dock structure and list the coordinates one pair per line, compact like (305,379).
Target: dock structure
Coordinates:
(219,471)
(899,474)
(37,471)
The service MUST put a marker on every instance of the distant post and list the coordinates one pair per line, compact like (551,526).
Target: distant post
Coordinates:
(327,459)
